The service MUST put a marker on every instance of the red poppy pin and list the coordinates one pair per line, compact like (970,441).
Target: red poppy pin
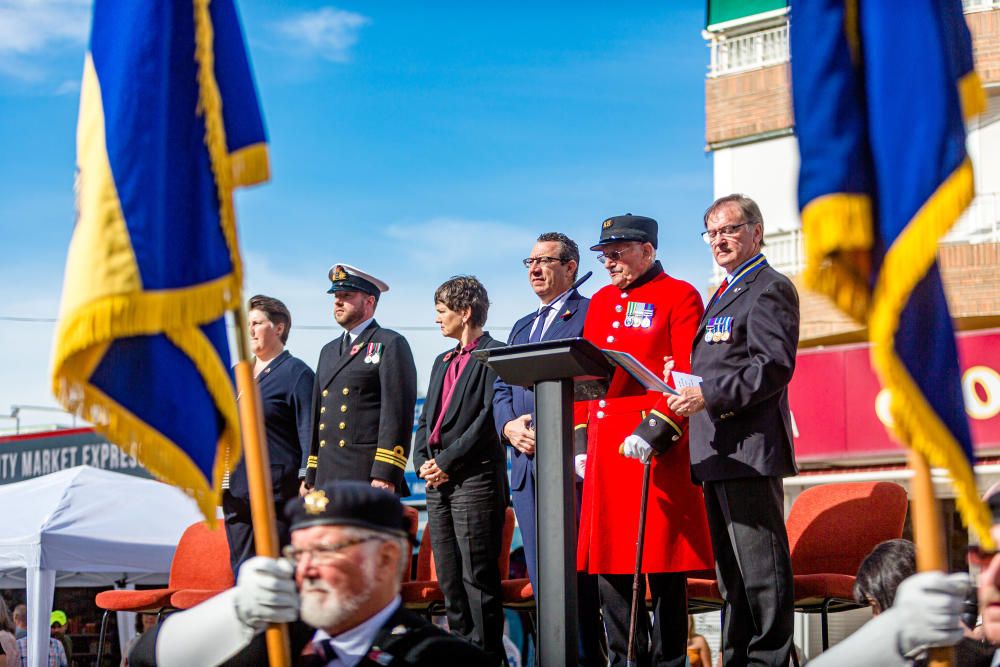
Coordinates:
(354,350)
(568,314)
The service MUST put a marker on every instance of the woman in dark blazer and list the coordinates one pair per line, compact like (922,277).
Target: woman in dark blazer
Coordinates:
(458,454)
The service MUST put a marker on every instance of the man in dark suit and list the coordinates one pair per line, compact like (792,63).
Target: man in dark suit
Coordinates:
(552,269)
(349,548)
(741,435)
(365,392)
(458,454)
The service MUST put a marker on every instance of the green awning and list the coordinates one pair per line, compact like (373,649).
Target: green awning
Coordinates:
(720,11)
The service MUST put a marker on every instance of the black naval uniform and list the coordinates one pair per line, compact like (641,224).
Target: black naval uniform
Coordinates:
(363,405)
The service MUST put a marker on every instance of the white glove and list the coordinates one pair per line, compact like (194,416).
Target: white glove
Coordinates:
(635,447)
(265,592)
(930,604)
(580,463)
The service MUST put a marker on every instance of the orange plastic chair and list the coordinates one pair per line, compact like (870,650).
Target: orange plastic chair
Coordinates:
(197,551)
(424,594)
(831,528)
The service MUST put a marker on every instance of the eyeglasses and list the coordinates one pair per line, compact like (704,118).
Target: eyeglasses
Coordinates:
(729,231)
(322,554)
(614,255)
(980,557)
(541,261)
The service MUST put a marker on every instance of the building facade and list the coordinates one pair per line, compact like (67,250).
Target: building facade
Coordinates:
(749,132)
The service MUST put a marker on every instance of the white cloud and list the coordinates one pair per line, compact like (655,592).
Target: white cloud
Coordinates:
(68,87)
(460,243)
(328,31)
(31,28)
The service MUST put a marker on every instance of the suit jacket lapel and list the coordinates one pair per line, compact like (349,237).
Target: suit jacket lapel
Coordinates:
(471,367)
(434,395)
(269,370)
(359,343)
(555,330)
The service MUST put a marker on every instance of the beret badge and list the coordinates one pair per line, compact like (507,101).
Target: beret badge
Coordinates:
(315,501)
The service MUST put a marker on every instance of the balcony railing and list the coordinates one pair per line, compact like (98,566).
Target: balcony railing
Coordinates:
(749,51)
(981,221)
(979,224)
(980,5)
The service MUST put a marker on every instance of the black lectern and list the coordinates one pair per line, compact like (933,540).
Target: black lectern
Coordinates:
(553,367)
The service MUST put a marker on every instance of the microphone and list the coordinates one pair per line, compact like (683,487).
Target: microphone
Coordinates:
(527,324)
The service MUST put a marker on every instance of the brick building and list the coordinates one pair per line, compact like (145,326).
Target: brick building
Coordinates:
(749,131)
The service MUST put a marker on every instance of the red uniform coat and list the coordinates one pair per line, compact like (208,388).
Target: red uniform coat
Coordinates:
(677,537)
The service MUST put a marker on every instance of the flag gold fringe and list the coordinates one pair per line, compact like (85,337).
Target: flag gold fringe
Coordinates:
(132,435)
(914,421)
(838,238)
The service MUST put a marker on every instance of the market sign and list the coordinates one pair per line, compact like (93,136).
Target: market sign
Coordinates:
(839,411)
(32,455)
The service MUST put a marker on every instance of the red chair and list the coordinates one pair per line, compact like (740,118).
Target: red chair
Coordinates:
(197,550)
(831,528)
(207,570)
(424,593)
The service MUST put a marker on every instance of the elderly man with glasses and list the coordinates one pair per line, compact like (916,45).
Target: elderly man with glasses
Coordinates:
(552,273)
(741,434)
(341,574)
(650,315)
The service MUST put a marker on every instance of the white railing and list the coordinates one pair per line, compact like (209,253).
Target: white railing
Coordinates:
(980,223)
(980,5)
(783,251)
(748,51)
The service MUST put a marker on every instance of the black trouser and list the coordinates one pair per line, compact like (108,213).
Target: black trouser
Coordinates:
(666,643)
(466,516)
(239,528)
(746,521)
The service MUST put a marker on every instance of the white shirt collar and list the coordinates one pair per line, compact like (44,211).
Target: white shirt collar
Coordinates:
(555,305)
(353,645)
(356,331)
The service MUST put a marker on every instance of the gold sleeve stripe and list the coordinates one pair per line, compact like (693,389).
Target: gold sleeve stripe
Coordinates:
(579,426)
(312,462)
(670,421)
(392,460)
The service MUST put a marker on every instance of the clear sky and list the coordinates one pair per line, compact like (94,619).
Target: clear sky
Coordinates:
(415,140)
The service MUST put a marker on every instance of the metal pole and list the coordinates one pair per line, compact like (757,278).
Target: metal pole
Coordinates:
(555,507)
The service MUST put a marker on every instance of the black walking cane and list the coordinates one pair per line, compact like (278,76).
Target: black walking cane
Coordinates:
(633,616)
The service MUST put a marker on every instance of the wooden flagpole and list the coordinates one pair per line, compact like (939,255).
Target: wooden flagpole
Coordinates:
(925,517)
(258,469)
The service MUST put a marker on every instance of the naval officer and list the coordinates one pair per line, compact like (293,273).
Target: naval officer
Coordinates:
(365,392)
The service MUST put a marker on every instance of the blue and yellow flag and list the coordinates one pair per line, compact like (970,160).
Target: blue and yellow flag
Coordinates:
(169,124)
(880,92)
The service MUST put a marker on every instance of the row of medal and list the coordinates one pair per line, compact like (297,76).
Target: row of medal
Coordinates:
(639,315)
(718,329)
(374,353)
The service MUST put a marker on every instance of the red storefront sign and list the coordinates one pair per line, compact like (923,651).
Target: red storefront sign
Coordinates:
(836,402)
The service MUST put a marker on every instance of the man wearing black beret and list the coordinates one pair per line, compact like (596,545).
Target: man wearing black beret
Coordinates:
(350,546)
(365,392)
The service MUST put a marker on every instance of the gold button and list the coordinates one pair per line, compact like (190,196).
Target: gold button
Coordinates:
(346,391)
(322,409)
(342,443)
(343,426)
(322,443)
(325,392)
(322,426)
(343,408)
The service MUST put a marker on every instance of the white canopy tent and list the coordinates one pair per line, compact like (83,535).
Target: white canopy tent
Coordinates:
(86,527)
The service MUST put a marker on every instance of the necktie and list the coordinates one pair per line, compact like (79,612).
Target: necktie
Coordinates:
(722,288)
(324,649)
(536,333)
(345,343)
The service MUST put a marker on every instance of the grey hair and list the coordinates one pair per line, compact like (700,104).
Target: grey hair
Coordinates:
(405,550)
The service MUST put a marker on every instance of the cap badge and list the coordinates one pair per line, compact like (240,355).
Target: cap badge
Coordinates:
(339,273)
(316,501)
(607,223)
